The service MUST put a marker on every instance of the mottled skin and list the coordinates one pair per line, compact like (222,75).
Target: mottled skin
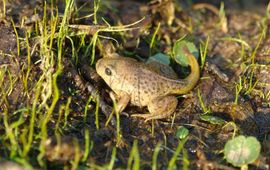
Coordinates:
(142,85)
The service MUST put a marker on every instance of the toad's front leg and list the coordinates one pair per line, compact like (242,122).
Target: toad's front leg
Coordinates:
(160,107)
(121,99)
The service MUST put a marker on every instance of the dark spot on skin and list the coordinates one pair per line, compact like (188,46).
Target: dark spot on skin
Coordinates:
(164,90)
(145,81)
(168,85)
(161,84)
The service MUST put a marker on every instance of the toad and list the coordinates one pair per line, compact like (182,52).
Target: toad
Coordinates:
(143,85)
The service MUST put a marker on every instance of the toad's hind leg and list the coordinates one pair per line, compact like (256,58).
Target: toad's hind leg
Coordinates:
(160,107)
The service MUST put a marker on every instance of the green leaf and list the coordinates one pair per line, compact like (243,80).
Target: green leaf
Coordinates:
(212,119)
(179,54)
(242,150)
(160,57)
(182,132)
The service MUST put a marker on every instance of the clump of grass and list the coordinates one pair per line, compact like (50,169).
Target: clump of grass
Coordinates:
(95,32)
(247,85)
(42,93)
(49,84)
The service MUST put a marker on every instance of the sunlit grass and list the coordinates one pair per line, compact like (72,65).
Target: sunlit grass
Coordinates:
(86,108)
(235,128)
(153,39)
(172,163)
(238,89)
(88,145)
(11,136)
(134,157)
(111,164)
(222,18)
(155,156)
(254,52)
(97,114)
(76,160)
(246,85)
(95,32)
(43,94)
(118,129)
(17,37)
(205,109)
(96,7)
(27,128)
(4,10)
(203,51)
(49,84)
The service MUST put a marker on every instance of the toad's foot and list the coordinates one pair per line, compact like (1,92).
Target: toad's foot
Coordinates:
(148,117)
(159,108)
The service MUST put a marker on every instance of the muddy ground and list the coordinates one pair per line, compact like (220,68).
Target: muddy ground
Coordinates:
(238,51)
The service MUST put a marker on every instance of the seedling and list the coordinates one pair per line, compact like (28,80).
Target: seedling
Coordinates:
(242,151)
(178,53)
(212,119)
(181,133)
(160,57)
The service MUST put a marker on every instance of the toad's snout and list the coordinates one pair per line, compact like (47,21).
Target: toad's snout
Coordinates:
(99,66)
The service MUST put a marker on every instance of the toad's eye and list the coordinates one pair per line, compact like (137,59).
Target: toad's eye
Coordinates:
(108,71)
